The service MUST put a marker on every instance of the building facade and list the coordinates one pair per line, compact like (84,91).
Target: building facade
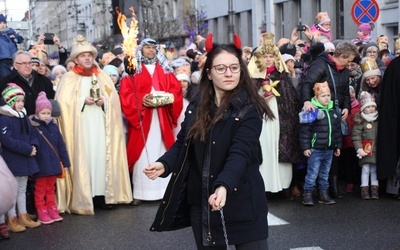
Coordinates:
(253,17)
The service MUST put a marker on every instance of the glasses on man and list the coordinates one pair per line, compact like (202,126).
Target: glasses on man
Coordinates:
(221,68)
(24,63)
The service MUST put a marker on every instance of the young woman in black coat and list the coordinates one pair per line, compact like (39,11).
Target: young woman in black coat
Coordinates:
(215,161)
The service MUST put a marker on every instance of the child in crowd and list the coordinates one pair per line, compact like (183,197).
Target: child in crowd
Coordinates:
(48,160)
(319,140)
(364,33)
(348,159)
(112,71)
(19,145)
(364,136)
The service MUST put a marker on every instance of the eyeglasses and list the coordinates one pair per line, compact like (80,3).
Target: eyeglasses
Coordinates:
(221,69)
(24,63)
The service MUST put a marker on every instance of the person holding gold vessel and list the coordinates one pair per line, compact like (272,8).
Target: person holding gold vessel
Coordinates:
(91,123)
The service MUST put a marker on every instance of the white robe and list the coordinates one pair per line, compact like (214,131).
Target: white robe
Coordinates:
(94,131)
(276,175)
(143,187)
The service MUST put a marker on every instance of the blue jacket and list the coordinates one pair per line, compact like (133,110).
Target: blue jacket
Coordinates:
(231,159)
(8,45)
(16,140)
(45,157)
(322,133)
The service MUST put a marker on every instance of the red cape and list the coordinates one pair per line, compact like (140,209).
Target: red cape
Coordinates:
(133,88)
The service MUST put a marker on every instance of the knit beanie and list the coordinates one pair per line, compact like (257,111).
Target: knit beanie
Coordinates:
(111,70)
(329,46)
(366,46)
(11,92)
(365,28)
(181,77)
(366,99)
(42,102)
(3,19)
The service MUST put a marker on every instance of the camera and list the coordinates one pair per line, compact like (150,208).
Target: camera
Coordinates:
(301,27)
(48,38)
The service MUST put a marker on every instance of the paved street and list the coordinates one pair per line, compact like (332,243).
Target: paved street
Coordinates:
(349,224)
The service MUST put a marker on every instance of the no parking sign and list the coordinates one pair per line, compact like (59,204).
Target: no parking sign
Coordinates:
(364,11)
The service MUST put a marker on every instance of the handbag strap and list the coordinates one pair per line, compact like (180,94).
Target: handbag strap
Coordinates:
(334,85)
(48,142)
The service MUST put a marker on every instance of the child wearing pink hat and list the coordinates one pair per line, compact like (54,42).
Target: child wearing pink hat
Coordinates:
(364,33)
(51,152)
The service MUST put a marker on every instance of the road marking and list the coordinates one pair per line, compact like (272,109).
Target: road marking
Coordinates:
(307,248)
(275,221)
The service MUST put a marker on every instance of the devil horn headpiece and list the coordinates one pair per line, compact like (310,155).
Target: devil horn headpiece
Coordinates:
(209,43)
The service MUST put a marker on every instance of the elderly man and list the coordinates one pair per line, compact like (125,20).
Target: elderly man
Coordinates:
(28,79)
(150,125)
(91,123)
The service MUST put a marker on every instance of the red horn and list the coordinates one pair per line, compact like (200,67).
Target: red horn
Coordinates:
(236,41)
(209,43)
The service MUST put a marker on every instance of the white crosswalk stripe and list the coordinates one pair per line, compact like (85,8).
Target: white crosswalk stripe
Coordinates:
(275,221)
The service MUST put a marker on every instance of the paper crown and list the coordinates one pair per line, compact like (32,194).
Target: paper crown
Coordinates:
(369,68)
(368,64)
(397,43)
(322,17)
(321,87)
(366,99)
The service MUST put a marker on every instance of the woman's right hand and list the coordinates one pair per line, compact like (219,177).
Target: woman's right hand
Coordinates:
(154,170)
(308,106)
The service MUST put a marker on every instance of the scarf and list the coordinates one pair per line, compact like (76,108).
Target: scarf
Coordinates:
(78,69)
(160,57)
(338,66)
(370,117)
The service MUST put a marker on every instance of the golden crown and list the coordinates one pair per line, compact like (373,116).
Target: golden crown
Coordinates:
(368,64)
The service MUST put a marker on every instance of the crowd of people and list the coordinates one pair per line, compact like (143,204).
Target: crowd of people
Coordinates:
(215,120)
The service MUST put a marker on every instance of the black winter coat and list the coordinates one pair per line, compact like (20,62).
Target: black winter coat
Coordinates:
(318,71)
(231,159)
(45,157)
(324,133)
(388,139)
(40,83)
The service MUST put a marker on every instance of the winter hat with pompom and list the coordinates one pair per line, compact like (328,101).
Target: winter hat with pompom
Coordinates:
(42,102)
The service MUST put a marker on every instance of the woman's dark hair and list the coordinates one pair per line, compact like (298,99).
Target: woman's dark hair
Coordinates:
(205,117)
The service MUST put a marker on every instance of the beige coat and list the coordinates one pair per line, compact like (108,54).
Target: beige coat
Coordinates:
(74,194)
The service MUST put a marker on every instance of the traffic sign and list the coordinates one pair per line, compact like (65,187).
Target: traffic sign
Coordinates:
(364,11)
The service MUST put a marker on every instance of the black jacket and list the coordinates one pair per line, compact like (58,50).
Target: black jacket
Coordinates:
(318,71)
(231,159)
(388,139)
(40,83)
(322,133)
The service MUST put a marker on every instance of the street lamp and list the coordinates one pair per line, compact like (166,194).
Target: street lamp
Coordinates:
(146,4)
(230,25)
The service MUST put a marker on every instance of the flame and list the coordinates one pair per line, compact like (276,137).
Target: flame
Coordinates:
(129,46)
